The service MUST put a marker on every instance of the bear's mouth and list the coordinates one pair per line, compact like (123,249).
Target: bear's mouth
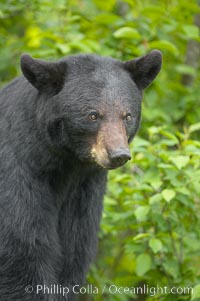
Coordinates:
(112,159)
(105,164)
(110,167)
(106,159)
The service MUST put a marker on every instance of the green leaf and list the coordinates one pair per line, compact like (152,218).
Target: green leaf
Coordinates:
(155,244)
(143,264)
(171,266)
(165,166)
(105,5)
(164,45)
(127,32)
(180,161)
(168,194)
(191,31)
(183,190)
(141,236)
(196,293)
(194,127)
(156,184)
(153,11)
(141,212)
(154,129)
(106,19)
(155,199)
(64,48)
(169,135)
(138,141)
(80,45)
(33,36)
(185,69)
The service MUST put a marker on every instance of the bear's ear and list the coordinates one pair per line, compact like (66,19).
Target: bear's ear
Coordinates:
(144,69)
(45,76)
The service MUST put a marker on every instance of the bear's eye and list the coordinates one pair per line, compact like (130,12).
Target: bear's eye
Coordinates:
(128,117)
(93,116)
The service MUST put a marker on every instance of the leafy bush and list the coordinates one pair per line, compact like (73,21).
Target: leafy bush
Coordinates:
(152,213)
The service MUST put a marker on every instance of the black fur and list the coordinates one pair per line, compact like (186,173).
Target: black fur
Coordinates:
(51,189)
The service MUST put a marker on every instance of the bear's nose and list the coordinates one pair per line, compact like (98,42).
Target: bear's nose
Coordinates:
(119,157)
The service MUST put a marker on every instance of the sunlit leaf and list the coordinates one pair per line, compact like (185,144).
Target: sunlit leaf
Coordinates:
(141,236)
(191,31)
(105,5)
(155,244)
(141,212)
(34,36)
(180,161)
(196,293)
(156,184)
(143,264)
(127,33)
(64,48)
(168,194)
(194,127)
(164,45)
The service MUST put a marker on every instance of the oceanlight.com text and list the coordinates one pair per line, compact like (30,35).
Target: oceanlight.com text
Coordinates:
(56,289)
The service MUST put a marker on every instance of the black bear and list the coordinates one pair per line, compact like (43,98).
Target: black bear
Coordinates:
(63,124)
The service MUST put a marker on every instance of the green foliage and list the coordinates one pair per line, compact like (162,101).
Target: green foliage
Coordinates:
(150,227)
(153,211)
(196,294)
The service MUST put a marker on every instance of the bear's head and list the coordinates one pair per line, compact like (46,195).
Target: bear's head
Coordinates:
(90,106)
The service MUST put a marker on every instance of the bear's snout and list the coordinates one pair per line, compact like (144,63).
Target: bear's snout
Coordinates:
(119,157)
(111,151)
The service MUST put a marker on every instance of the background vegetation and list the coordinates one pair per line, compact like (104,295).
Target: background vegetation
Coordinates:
(150,232)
